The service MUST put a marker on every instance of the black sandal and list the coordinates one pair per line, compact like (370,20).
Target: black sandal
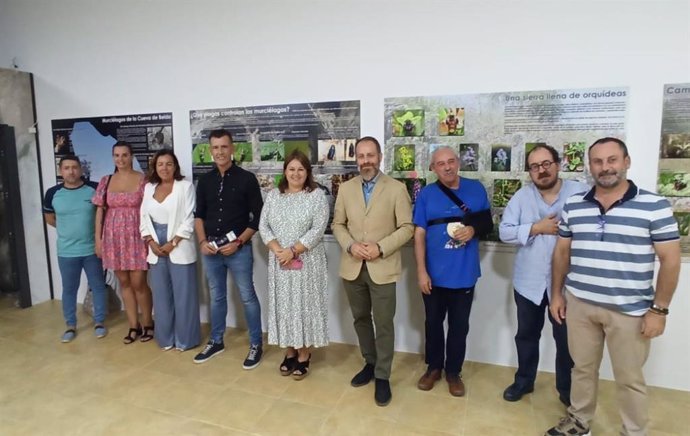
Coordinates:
(147,336)
(288,365)
(132,335)
(301,369)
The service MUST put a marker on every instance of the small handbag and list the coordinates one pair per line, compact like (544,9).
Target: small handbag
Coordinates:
(294,264)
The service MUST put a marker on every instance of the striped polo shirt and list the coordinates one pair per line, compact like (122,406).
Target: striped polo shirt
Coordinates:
(612,251)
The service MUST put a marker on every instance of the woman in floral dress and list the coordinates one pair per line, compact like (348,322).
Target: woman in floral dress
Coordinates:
(293,221)
(118,241)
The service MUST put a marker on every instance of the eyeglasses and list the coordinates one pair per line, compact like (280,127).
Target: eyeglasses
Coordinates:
(535,166)
(600,227)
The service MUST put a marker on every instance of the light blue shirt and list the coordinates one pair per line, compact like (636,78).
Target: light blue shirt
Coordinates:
(368,187)
(532,269)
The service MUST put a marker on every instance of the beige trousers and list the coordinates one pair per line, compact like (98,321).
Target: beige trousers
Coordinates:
(589,326)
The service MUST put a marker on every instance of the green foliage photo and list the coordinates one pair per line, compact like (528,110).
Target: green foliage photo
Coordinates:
(403,158)
(574,157)
(504,189)
(408,122)
(672,184)
(683,219)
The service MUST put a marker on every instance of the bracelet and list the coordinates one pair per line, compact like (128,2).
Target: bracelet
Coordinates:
(203,241)
(658,309)
(239,243)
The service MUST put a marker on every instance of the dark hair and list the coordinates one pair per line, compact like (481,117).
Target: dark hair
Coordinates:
(554,153)
(123,144)
(69,157)
(309,184)
(620,143)
(153,175)
(219,133)
(369,138)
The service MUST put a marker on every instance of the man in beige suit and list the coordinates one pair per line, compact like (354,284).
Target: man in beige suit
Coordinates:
(372,220)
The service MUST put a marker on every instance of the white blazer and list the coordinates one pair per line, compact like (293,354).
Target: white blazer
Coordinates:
(180,222)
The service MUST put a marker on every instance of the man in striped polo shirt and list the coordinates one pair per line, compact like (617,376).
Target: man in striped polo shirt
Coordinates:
(608,239)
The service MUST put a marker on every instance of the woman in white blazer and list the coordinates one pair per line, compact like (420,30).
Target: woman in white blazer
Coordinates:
(167,227)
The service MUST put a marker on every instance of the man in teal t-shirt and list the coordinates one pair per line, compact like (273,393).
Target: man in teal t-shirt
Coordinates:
(67,207)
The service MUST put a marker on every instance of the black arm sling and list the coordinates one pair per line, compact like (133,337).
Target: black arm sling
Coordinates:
(481,221)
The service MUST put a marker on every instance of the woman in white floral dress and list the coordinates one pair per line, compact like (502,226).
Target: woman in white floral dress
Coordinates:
(293,221)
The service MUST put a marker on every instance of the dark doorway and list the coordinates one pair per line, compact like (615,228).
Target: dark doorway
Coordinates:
(14,271)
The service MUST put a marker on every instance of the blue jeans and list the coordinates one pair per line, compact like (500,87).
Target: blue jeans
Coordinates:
(240,266)
(70,270)
(530,319)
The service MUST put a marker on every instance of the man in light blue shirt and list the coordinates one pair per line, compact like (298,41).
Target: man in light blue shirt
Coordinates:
(530,221)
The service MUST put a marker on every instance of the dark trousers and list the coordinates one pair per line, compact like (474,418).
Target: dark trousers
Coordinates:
(457,303)
(530,323)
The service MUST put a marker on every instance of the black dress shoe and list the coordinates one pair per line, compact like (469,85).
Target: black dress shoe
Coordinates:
(364,376)
(565,399)
(382,393)
(515,391)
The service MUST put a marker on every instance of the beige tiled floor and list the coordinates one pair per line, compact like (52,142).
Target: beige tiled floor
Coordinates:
(102,387)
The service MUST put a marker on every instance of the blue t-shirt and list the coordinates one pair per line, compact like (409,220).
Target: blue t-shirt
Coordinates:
(74,218)
(450,265)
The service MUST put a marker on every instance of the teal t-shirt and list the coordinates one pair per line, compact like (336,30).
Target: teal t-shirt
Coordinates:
(74,218)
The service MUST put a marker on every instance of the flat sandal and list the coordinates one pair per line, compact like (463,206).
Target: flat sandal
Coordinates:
(132,335)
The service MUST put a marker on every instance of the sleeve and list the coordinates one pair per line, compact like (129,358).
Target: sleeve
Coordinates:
(419,214)
(403,216)
(48,200)
(200,211)
(255,201)
(663,226)
(511,230)
(186,227)
(264,227)
(319,220)
(143,214)
(99,195)
(339,225)
(563,226)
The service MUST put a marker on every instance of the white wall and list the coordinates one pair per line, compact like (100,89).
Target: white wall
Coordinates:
(95,58)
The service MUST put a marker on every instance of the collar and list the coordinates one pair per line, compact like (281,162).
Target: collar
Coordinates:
(232,169)
(631,193)
(74,188)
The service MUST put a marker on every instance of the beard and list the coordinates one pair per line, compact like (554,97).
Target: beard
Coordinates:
(368,171)
(543,183)
(612,182)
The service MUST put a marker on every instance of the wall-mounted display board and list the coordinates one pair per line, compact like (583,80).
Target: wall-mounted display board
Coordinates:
(674,157)
(92,139)
(493,132)
(263,135)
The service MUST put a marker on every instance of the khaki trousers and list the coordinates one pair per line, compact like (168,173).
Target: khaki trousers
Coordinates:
(589,326)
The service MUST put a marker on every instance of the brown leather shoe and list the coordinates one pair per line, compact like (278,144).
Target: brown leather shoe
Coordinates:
(455,385)
(428,379)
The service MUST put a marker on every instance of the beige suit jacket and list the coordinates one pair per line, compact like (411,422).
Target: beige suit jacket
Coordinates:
(387,220)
